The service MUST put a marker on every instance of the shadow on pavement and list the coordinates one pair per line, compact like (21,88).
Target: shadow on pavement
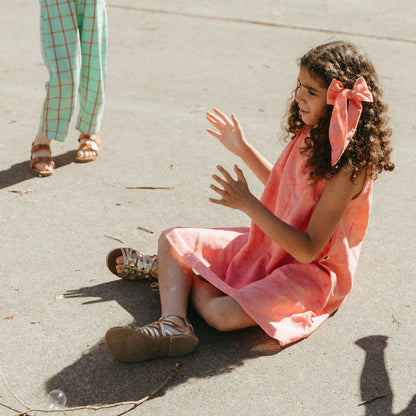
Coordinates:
(96,378)
(375,380)
(21,172)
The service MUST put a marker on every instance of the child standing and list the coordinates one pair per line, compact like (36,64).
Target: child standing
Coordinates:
(294,266)
(74,48)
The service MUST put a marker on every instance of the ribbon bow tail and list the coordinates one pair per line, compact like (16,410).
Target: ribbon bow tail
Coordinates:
(345,116)
(338,128)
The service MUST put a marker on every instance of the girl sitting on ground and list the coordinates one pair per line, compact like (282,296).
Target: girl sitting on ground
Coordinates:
(294,266)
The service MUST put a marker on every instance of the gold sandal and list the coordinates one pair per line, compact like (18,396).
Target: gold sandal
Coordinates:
(41,159)
(163,338)
(136,264)
(89,142)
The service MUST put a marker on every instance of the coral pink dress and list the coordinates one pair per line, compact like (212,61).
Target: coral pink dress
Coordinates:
(288,299)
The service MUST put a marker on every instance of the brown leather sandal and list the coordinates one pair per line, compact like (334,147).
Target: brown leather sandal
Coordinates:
(163,338)
(136,264)
(89,142)
(41,159)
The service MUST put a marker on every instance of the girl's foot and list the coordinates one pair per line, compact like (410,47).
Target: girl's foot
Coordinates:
(89,147)
(170,336)
(41,162)
(131,264)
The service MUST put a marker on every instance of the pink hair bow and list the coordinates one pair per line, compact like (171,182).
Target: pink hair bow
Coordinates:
(345,116)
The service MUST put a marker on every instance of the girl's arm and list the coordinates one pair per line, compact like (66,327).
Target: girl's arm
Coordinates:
(303,246)
(230,134)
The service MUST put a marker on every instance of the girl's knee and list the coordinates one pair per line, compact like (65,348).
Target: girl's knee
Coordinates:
(166,252)
(217,315)
(163,244)
(225,314)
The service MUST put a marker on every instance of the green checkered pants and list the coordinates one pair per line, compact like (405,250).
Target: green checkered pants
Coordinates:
(74,48)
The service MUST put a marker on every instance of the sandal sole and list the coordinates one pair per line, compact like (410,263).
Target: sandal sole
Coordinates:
(42,173)
(131,345)
(86,159)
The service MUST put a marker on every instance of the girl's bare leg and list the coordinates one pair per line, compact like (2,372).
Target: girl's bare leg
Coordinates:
(218,310)
(175,281)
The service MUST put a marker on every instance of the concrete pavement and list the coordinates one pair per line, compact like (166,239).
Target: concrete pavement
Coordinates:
(169,62)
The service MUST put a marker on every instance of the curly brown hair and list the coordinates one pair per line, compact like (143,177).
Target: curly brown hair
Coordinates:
(370,146)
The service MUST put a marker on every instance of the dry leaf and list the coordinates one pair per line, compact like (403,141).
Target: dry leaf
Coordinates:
(9,317)
(20,193)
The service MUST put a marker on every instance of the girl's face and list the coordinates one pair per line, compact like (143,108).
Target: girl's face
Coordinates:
(311,97)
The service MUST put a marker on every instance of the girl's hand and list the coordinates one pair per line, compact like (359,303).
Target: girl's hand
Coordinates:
(234,193)
(228,132)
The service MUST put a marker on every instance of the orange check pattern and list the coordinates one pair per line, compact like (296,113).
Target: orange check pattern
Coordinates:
(74,48)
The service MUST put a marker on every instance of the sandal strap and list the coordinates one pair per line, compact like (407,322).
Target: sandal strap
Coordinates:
(137,265)
(41,159)
(37,147)
(91,137)
(88,144)
(165,327)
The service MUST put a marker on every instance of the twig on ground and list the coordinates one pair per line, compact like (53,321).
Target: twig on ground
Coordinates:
(114,238)
(10,391)
(197,110)
(150,187)
(395,320)
(134,403)
(379,396)
(145,230)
